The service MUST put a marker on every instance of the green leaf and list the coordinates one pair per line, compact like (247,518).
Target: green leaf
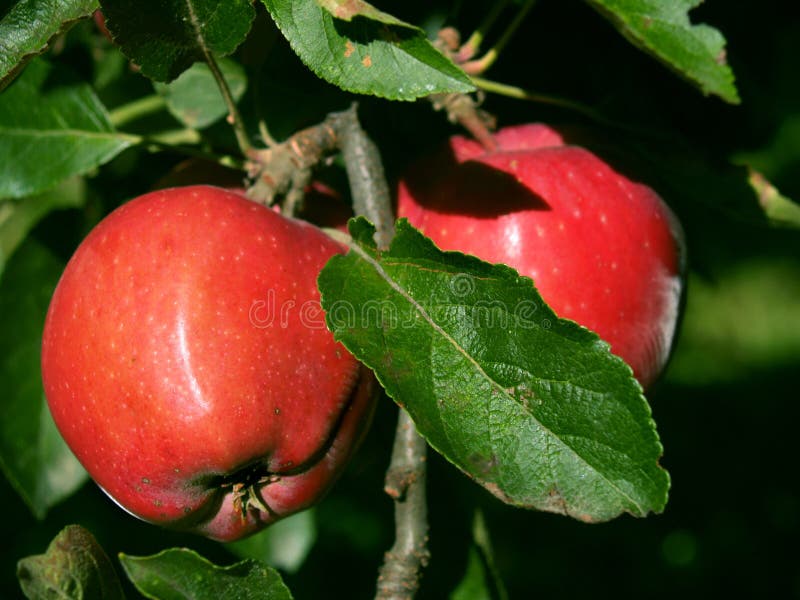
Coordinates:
(194,97)
(164,37)
(180,574)
(52,129)
(481,581)
(662,28)
(18,217)
(535,409)
(27,27)
(33,456)
(74,567)
(365,55)
(284,545)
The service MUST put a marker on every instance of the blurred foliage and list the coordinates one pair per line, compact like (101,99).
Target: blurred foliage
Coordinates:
(726,409)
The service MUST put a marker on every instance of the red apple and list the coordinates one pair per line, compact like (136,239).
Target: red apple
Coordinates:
(602,250)
(187,364)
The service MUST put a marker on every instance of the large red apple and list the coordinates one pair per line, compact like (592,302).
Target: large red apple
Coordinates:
(602,250)
(187,364)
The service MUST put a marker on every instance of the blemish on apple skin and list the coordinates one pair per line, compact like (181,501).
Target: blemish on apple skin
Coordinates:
(145,481)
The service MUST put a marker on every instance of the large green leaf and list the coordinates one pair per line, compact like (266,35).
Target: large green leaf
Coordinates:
(33,456)
(74,567)
(535,409)
(180,574)
(662,28)
(51,129)
(164,37)
(27,26)
(362,53)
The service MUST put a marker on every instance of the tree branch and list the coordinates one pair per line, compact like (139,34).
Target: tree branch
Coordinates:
(399,576)
(371,197)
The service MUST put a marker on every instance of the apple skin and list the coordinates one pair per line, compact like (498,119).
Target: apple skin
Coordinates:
(166,378)
(602,250)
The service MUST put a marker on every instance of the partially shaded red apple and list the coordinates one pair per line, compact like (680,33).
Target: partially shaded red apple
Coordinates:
(602,250)
(187,364)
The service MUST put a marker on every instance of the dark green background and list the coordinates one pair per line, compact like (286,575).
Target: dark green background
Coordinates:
(726,410)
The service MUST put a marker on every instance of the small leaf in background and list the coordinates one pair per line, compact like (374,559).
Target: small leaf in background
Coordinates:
(164,37)
(18,217)
(481,581)
(662,28)
(284,545)
(364,55)
(180,574)
(27,27)
(535,409)
(33,456)
(52,129)
(194,97)
(74,567)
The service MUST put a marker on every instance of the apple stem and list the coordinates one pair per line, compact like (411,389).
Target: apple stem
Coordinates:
(463,109)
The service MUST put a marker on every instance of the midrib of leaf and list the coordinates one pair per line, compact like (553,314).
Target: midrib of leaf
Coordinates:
(550,435)
(198,31)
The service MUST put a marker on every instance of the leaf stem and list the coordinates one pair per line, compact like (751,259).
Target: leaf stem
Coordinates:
(171,141)
(141,107)
(522,94)
(234,116)
(487,60)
